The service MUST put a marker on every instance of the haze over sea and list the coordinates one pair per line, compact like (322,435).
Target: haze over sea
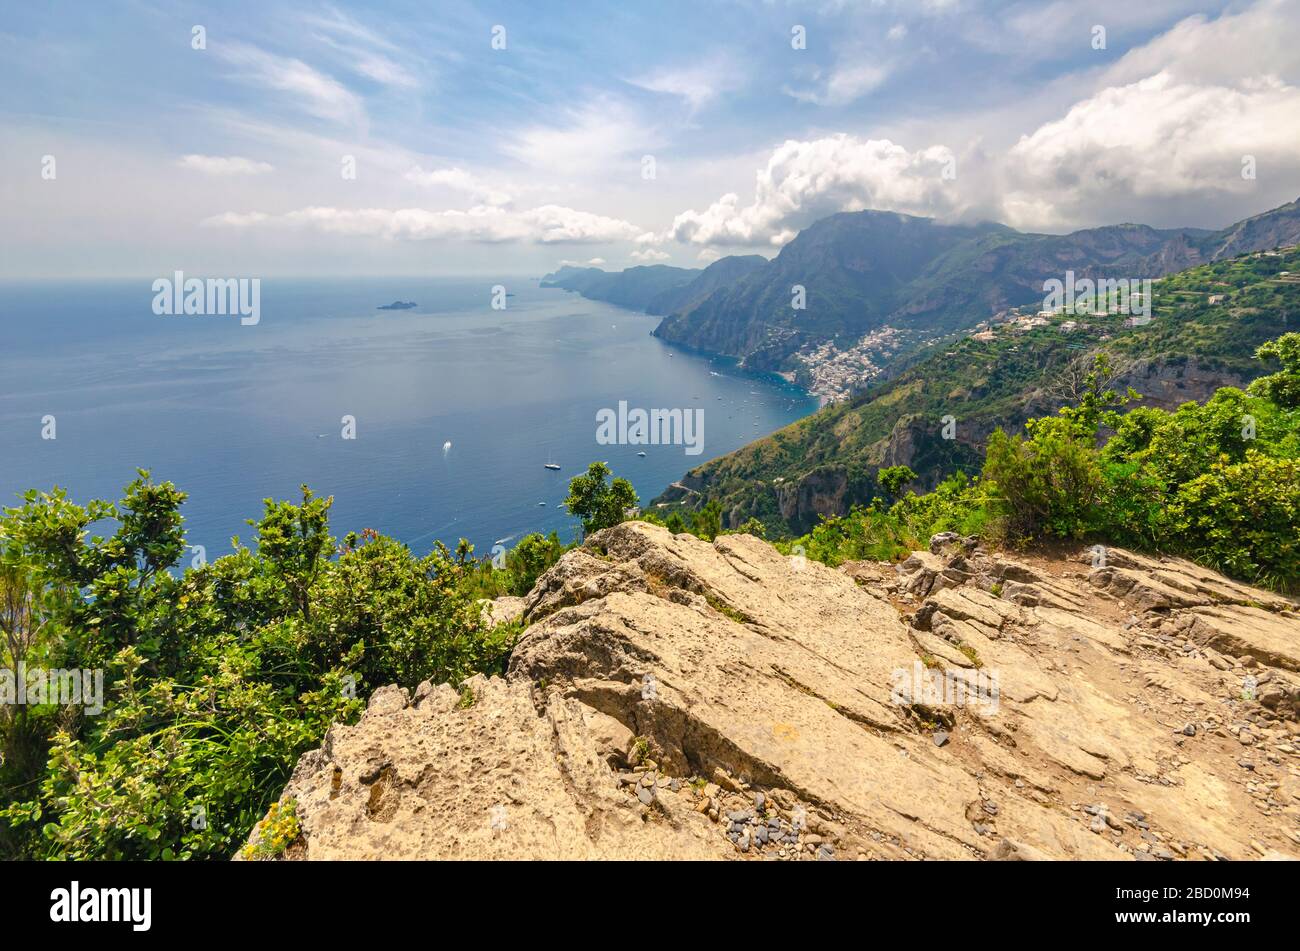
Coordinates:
(234,414)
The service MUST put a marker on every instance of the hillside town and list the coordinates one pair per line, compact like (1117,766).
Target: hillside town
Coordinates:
(835,374)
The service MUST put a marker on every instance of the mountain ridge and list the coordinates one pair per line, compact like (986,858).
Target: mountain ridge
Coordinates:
(878,285)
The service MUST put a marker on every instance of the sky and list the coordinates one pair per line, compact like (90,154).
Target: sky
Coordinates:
(446,138)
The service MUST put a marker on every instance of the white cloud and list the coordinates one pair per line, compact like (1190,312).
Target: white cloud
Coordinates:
(591,138)
(547,224)
(311,90)
(804,181)
(224,165)
(1169,121)
(845,85)
(460,180)
(383,70)
(1259,40)
(375,66)
(362,50)
(650,254)
(236,219)
(340,24)
(1157,138)
(1160,130)
(697,85)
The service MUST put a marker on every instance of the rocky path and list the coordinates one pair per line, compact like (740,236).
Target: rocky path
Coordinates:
(673,698)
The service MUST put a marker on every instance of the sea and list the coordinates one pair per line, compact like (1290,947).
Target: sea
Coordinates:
(455,406)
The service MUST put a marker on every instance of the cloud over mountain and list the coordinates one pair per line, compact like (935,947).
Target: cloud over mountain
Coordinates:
(804,181)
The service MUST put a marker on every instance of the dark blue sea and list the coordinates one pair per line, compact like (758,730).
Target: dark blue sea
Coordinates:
(234,414)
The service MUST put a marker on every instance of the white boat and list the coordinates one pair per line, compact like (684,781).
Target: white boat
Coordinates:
(640,453)
(551,465)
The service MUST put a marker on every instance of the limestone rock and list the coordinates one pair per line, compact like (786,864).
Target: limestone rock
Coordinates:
(674,698)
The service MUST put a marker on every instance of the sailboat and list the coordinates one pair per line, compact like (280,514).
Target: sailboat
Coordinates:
(551,465)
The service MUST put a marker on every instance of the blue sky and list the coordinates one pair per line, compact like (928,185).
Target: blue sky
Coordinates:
(472,159)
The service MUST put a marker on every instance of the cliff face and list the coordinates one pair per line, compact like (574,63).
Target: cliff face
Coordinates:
(1168,384)
(673,698)
(860,271)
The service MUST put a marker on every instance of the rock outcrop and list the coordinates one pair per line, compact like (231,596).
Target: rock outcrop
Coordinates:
(674,698)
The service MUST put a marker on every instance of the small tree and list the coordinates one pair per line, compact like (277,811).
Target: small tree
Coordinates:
(295,542)
(530,558)
(893,478)
(1096,404)
(1283,387)
(597,501)
(1050,481)
(707,522)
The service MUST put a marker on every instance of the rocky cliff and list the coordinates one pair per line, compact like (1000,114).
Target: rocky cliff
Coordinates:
(672,698)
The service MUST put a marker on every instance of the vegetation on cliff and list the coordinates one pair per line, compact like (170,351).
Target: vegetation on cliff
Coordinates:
(1207,323)
(215,678)
(1218,482)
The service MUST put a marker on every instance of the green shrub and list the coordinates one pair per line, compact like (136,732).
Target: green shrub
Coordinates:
(530,559)
(1048,483)
(892,479)
(1283,387)
(279,830)
(1242,518)
(706,523)
(959,504)
(1185,443)
(216,678)
(597,501)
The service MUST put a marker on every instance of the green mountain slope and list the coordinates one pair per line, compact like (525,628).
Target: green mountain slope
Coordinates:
(1207,322)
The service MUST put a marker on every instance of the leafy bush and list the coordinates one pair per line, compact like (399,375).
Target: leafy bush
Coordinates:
(1283,387)
(597,501)
(1217,481)
(874,533)
(706,522)
(1049,482)
(892,479)
(216,678)
(279,830)
(1188,441)
(529,559)
(1242,518)
(959,504)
